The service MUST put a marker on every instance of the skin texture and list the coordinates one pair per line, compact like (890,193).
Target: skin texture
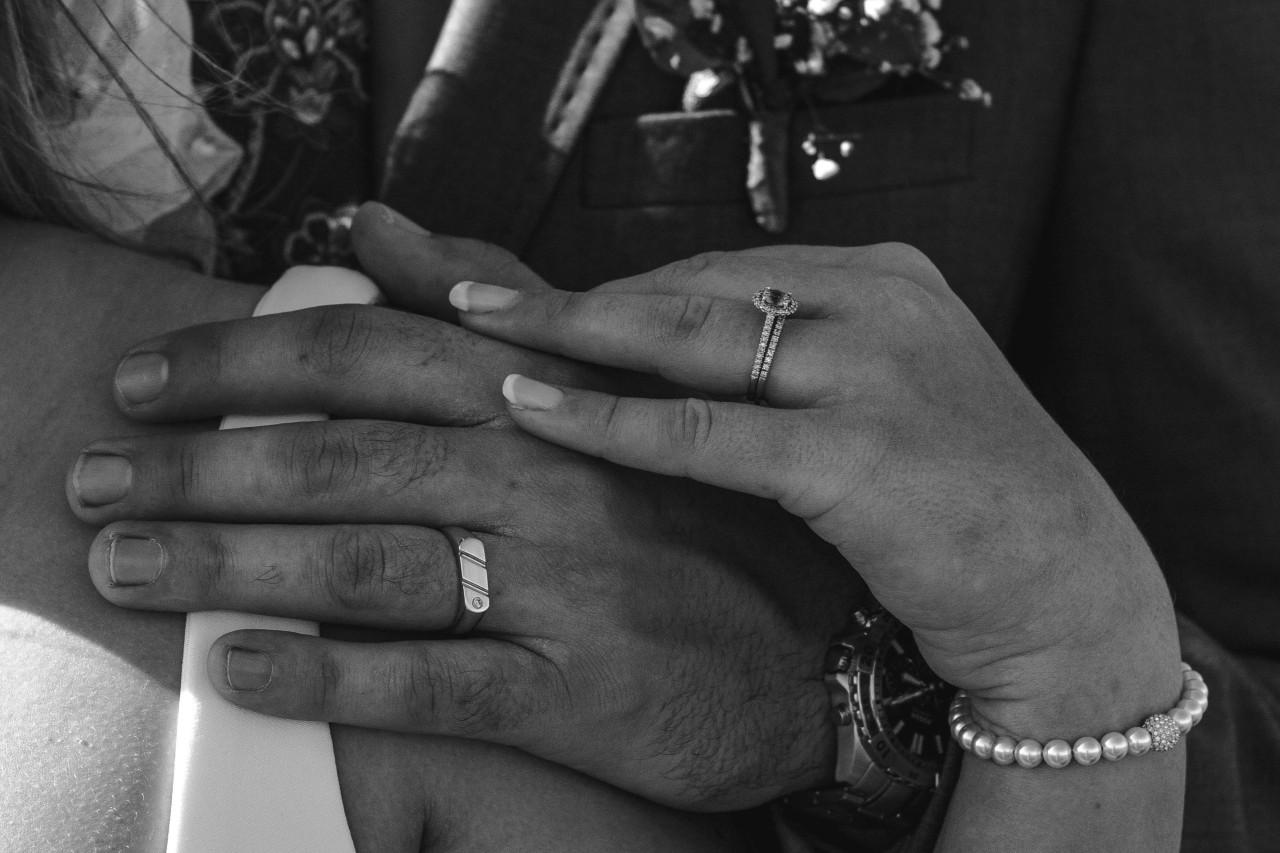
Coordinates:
(614,591)
(904,441)
(90,690)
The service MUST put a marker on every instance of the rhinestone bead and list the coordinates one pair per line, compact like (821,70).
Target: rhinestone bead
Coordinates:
(1003,751)
(983,744)
(1028,753)
(1139,740)
(1164,731)
(1181,717)
(1057,753)
(1115,746)
(1087,751)
(967,736)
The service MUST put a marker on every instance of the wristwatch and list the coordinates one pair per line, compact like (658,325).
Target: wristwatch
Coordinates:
(890,711)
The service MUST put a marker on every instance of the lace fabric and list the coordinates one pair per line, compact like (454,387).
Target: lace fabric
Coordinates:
(261,104)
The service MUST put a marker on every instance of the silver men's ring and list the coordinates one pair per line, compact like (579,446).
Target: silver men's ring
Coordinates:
(777,306)
(473,580)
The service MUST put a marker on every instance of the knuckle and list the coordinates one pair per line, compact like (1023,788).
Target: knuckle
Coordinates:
(334,340)
(352,570)
(690,429)
(682,274)
(323,461)
(326,685)
(213,568)
(683,319)
(397,457)
(364,568)
(188,470)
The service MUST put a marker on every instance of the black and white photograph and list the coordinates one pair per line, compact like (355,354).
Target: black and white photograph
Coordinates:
(639,426)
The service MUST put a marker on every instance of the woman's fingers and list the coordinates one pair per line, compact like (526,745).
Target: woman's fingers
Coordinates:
(481,688)
(416,269)
(323,472)
(694,340)
(397,577)
(732,445)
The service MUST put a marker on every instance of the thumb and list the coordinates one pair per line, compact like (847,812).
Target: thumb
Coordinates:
(416,269)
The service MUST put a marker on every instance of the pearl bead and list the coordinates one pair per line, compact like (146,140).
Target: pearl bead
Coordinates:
(1185,666)
(1115,746)
(1202,695)
(967,736)
(1192,675)
(1139,740)
(1197,684)
(1057,753)
(1194,707)
(983,744)
(1028,753)
(1087,751)
(958,727)
(1182,717)
(1002,752)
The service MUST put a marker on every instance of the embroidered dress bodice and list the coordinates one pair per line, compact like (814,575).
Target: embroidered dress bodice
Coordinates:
(262,103)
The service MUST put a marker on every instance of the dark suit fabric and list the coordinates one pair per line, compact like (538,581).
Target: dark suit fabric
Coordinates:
(1113,221)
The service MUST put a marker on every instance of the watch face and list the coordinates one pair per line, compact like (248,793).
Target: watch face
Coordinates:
(909,704)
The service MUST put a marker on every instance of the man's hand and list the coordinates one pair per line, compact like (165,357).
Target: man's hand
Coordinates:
(658,634)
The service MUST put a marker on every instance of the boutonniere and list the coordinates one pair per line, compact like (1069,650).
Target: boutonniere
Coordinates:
(773,57)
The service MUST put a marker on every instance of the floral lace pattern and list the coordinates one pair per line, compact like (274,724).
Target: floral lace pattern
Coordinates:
(285,79)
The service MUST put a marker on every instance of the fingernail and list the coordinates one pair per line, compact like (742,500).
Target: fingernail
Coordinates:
(140,378)
(248,671)
(398,220)
(100,479)
(525,393)
(134,561)
(476,298)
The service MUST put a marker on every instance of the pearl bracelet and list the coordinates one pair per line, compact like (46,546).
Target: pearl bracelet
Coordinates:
(1159,732)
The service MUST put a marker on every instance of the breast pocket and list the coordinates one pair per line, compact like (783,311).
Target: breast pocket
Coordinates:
(701,158)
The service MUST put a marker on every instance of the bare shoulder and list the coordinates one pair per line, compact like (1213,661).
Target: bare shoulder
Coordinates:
(89,691)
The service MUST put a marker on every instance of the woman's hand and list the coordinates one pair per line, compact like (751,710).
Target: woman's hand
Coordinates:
(901,435)
(659,634)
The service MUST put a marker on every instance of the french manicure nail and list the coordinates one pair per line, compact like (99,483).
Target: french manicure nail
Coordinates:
(399,220)
(476,298)
(134,561)
(248,671)
(100,479)
(140,378)
(525,393)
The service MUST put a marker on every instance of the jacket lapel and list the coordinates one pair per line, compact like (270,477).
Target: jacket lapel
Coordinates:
(505,96)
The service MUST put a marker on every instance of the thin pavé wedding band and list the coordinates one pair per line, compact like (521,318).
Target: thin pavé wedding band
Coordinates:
(777,306)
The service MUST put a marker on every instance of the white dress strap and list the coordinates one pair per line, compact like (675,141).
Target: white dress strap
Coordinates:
(244,782)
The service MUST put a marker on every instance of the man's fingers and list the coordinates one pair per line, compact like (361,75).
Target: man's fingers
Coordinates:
(697,341)
(396,577)
(416,269)
(481,688)
(736,446)
(345,360)
(322,472)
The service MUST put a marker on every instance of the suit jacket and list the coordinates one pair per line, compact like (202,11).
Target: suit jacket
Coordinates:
(1113,220)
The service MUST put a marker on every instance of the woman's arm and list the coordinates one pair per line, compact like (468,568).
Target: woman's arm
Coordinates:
(89,692)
